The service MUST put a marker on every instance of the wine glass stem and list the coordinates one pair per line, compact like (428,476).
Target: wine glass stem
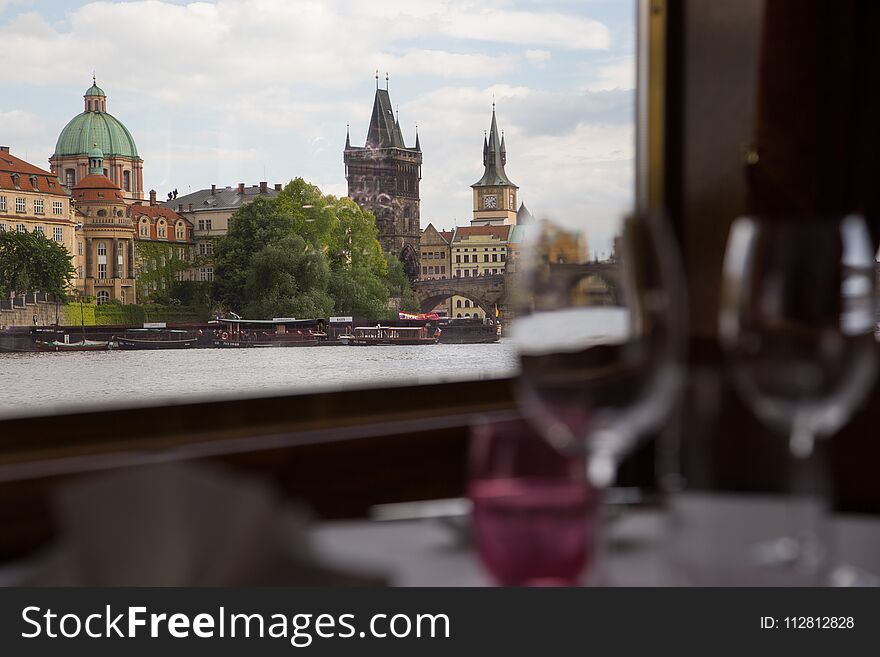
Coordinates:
(809,489)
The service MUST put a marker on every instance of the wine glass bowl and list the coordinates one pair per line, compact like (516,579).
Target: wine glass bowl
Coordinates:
(797,321)
(600,341)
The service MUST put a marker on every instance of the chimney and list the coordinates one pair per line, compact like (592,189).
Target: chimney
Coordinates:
(152,197)
(277,187)
(213,189)
(190,207)
(264,187)
(241,188)
(4,149)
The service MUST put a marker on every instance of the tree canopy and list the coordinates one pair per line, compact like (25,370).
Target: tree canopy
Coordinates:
(30,262)
(306,254)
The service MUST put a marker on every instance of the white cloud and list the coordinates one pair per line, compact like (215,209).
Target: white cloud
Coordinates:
(619,74)
(527,28)
(213,93)
(538,58)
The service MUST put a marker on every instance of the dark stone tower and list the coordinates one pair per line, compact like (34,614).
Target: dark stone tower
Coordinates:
(383,177)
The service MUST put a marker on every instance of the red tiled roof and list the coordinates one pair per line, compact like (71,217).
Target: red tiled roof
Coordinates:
(153,211)
(499,232)
(96,181)
(446,234)
(47,183)
(96,187)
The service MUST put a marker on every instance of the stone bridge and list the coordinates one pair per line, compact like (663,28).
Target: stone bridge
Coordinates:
(487,291)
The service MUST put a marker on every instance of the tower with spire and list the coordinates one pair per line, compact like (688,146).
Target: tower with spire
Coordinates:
(383,177)
(494,193)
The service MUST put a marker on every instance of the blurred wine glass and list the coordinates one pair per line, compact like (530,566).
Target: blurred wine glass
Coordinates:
(601,342)
(798,305)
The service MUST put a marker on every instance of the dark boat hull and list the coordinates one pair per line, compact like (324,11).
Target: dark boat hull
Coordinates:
(130,344)
(378,342)
(242,344)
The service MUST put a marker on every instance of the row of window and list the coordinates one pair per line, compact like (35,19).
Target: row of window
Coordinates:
(162,230)
(495,258)
(429,255)
(205,224)
(70,178)
(57,231)
(39,206)
(466,273)
(485,248)
(441,269)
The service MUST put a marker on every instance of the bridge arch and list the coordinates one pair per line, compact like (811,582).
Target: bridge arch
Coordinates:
(428,303)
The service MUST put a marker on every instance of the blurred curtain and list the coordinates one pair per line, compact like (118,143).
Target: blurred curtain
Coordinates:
(817,131)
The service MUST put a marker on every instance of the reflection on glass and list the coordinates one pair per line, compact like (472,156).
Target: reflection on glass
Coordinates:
(600,341)
(797,322)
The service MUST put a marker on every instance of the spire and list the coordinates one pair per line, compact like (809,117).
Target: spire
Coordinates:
(494,157)
(347,137)
(386,80)
(418,145)
(377,78)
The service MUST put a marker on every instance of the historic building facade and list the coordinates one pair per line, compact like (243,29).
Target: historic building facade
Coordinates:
(105,245)
(164,250)
(95,127)
(32,200)
(494,193)
(383,177)
(209,211)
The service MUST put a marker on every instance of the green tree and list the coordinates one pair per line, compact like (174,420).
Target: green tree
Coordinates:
(287,279)
(30,262)
(333,264)
(159,266)
(252,227)
(399,285)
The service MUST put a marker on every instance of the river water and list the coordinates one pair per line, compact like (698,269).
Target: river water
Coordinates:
(46,383)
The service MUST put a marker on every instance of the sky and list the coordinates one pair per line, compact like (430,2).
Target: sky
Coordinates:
(249,90)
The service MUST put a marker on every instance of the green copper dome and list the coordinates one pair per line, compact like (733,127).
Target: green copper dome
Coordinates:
(99,128)
(94,90)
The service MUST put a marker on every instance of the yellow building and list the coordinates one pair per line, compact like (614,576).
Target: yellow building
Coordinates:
(477,251)
(32,199)
(105,247)
(435,261)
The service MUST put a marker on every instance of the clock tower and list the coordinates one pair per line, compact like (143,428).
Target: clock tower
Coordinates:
(494,193)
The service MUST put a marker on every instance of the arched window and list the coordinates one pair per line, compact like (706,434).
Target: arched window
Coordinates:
(102,249)
(180,231)
(458,316)
(458,304)
(145,227)
(467,303)
(126,180)
(70,177)
(89,105)
(102,213)
(161,230)
(103,297)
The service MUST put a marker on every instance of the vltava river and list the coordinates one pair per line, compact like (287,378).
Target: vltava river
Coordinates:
(44,383)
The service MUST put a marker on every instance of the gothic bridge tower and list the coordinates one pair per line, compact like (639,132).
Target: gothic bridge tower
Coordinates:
(383,177)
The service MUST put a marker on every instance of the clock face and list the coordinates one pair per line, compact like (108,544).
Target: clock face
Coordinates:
(489,202)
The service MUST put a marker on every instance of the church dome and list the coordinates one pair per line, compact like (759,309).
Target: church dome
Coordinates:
(95,90)
(99,128)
